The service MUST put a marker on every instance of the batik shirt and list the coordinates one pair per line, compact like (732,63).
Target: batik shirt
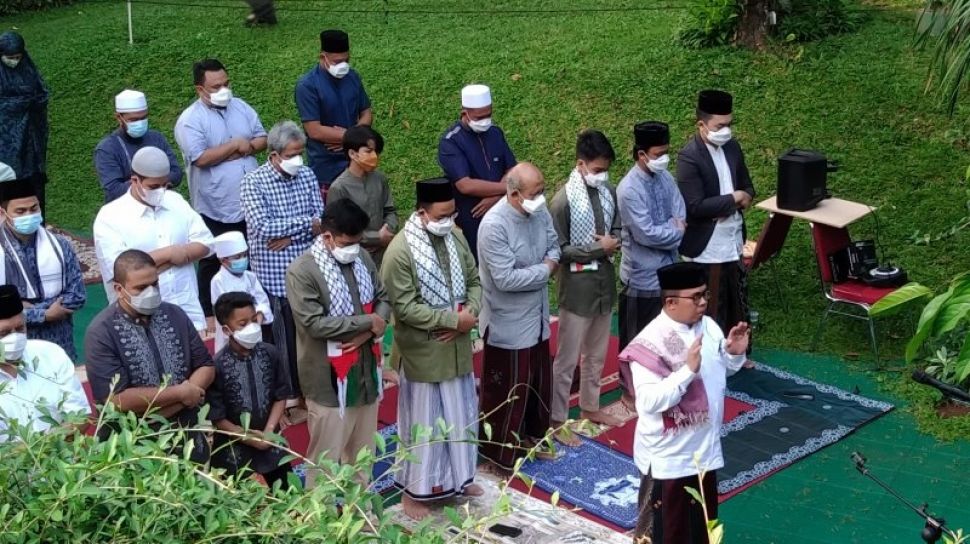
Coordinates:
(246,383)
(143,354)
(73,296)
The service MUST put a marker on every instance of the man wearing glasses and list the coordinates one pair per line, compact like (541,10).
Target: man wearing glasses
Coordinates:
(679,364)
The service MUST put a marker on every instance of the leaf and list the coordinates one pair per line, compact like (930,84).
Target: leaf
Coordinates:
(715,534)
(926,320)
(694,493)
(951,314)
(487,429)
(554,499)
(899,299)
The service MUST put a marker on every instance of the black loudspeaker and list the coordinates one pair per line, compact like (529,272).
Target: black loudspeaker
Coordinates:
(802,179)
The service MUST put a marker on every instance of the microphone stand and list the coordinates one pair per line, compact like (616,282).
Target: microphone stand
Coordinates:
(935,526)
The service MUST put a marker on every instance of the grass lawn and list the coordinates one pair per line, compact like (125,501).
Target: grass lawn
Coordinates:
(858,97)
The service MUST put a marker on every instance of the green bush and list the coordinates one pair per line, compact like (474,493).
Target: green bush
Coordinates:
(713,23)
(9,7)
(60,487)
(710,23)
(808,20)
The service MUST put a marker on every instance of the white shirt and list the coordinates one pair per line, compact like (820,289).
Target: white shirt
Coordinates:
(47,380)
(726,242)
(667,456)
(125,223)
(226,282)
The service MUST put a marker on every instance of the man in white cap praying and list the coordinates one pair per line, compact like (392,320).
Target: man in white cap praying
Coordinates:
(475,157)
(112,157)
(7,173)
(159,222)
(233,253)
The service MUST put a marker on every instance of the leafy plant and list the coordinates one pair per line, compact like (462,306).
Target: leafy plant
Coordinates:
(139,485)
(715,529)
(943,321)
(808,20)
(9,7)
(710,23)
(948,36)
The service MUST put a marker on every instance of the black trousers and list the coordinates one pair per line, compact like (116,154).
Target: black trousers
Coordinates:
(636,311)
(264,10)
(278,474)
(209,266)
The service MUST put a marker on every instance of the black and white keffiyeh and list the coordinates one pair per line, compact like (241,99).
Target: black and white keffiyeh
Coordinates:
(582,223)
(341,305)
(431,276)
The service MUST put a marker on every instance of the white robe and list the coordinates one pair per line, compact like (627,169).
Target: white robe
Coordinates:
(226,282)
(670,455)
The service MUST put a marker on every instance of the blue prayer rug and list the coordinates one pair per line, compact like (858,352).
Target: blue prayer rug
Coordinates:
(383,479)
(601,481)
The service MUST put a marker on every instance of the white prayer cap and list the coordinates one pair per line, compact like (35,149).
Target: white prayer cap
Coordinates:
(7,173)
(230,243)
(128,101)
(476,96)
(150,162)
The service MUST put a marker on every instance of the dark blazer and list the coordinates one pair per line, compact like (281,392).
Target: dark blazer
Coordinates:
(697,178)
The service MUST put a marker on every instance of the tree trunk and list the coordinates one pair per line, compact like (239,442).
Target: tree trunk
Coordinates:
(753,28)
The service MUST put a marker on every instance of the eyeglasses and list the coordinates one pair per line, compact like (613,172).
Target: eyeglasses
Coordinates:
(696,297)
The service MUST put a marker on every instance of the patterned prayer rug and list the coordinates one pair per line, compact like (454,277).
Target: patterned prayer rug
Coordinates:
(538,521)
(772,419)
(86,255)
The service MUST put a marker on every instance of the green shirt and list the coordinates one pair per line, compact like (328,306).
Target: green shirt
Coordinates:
(591,293)
(309,298)
(425,359)
(373,195)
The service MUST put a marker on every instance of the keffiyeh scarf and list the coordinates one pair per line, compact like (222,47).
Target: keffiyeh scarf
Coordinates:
(342,305)
(431,275)
(582,223)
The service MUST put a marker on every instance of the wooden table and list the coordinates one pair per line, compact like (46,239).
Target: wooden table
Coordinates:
(833,212)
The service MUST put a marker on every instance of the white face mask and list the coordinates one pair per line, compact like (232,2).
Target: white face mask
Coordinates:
(153,197)
(292,165)
(146,302)
(534,205)
(11,63)
(339,70)
(221,98)
(659,164)
(249,336)
(13,346)
(595,180)
(346,254)
(719,137)
(480,126)
(442,227)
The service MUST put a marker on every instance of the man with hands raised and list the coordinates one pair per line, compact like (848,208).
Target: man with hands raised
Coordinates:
(680,363)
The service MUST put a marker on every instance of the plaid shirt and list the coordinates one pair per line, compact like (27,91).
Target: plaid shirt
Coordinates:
(278,207)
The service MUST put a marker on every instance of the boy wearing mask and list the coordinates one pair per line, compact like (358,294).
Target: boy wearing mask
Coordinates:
(234,275)
(367,186)
(250,378)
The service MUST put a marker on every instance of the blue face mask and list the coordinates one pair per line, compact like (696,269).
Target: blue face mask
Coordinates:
(137,129)
(238,266)
(27,224)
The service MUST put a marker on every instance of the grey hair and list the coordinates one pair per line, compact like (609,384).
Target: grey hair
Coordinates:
(513,182)
(283,134)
